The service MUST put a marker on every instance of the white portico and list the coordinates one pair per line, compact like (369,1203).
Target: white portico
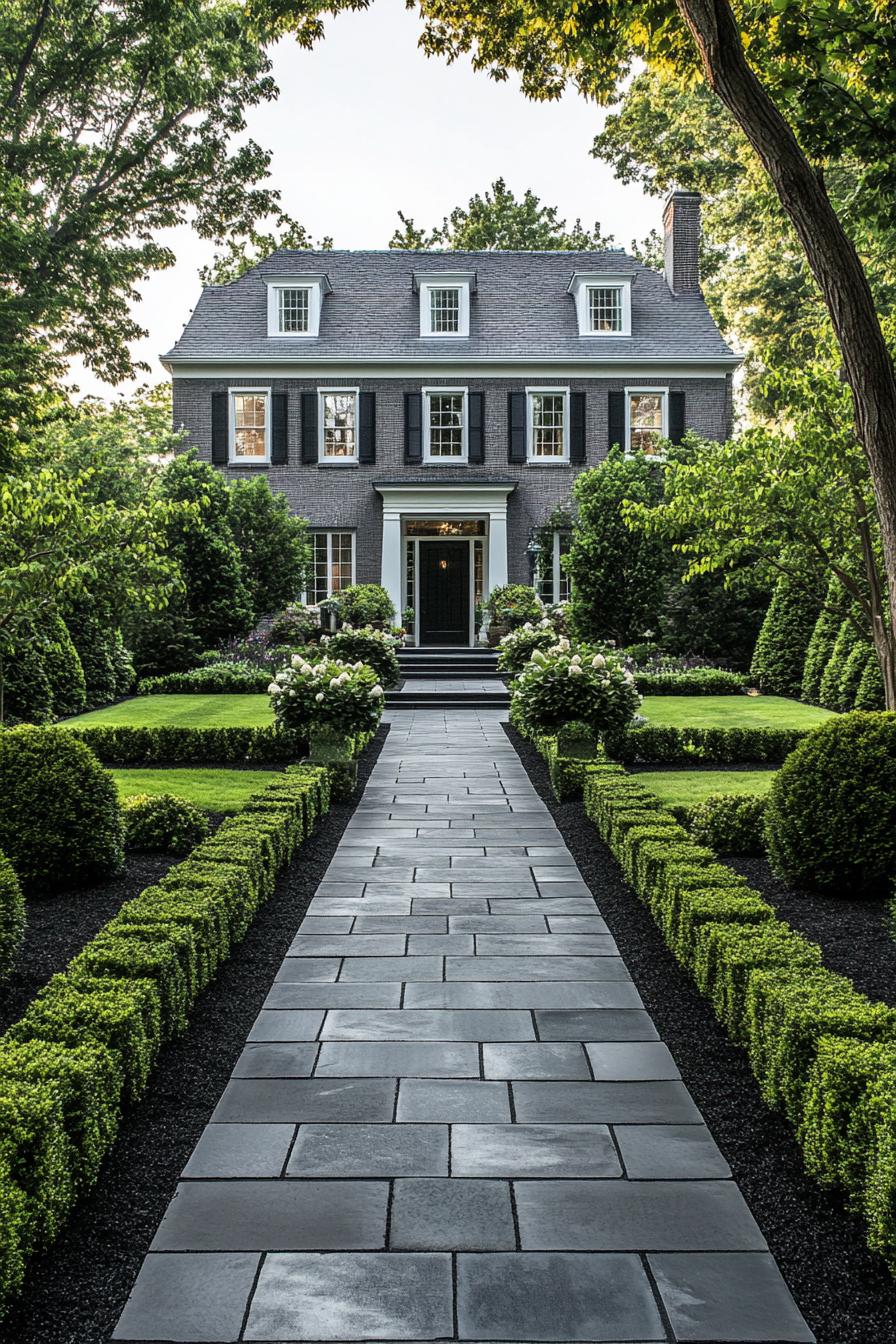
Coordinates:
(444,550)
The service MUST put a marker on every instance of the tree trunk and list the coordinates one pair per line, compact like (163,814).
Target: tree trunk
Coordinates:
(832,257)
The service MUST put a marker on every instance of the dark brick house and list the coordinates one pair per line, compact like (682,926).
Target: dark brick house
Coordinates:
(426,411)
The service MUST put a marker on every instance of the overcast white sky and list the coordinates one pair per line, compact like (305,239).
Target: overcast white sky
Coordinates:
(366,125)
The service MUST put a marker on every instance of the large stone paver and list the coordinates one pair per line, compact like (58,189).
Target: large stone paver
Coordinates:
(453,1118)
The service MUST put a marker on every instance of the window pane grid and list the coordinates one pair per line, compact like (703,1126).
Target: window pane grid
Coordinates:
(409,599)
(332,564)
(293,309)
(645,421)
(548,411)
(446,424)
(605,308)
(339,424)
(249,419)
(444,310)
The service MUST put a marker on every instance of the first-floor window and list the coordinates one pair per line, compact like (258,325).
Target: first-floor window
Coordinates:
(647,418)
(553,580)
(249,421)
(445,428)
(548,425)
(339,424)
(333,565)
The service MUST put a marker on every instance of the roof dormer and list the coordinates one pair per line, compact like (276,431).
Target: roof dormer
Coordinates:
(603,302)
(294,305)
(445,303)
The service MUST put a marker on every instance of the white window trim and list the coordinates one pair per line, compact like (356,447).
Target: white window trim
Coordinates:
(547,461)
(462,285)
(329,392)
(579,287)
(328,533)
(314,285)
(427,393)
(232,394)
(556,571)
(663,392)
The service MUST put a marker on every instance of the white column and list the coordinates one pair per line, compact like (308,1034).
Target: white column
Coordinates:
(497,548)
(390,569)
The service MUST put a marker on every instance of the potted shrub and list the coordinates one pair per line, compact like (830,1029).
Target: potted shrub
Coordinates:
(578,697)
(510,606)
(328,702)
(374,648)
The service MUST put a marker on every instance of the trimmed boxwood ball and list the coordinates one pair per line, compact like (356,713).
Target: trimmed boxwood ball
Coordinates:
(12,917)
(830,818)
(60,819)
(163,822)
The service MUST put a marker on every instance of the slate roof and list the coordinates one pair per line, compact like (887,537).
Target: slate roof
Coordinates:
(520,310)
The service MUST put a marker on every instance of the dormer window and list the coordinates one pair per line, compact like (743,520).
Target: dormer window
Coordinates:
(603,303)
(445,304)
(294,305)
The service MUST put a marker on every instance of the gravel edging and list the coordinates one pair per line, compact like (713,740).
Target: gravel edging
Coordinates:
(844,1291)
(75,1292)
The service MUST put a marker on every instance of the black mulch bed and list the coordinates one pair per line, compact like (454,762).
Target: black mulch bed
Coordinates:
(75,1293)
(854,932)
(844,1291)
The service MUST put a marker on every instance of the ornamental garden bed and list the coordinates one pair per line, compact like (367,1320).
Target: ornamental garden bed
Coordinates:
(843,1289)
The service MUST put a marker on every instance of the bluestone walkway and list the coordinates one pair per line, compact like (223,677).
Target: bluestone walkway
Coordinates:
(453,1118)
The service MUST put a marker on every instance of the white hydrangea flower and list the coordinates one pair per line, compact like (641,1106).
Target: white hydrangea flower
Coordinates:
(528,626)
(319,697)
(274,688)
(293,694)
(334,683)
(376,692)
(598,660)
(574,670)
(576,658)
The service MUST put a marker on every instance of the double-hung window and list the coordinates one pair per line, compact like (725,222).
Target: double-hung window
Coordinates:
(444,304)
(293,310)
(338,424)
(603,303)
(547,431)
(333,565)
(250,424)
(553,580)
(646,419)
(444,424)
(605,309)
(294,306)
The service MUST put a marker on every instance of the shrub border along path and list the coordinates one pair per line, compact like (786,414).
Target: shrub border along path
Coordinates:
(76,1289)
(844,1291)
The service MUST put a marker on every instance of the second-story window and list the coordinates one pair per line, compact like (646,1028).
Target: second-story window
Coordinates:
(444,311)
(646,419)
(444,305)
(605,308)
(339,425)
(444,424)
(293,310)
(249,421)
(548,429)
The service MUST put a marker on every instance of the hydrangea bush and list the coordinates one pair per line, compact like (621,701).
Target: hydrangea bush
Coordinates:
(518,646)
(559,687)
(332,695)
(376,648)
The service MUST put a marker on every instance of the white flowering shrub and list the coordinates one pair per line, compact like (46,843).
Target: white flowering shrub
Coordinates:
(334,695)
(560,686)
(376,648)
(518,646)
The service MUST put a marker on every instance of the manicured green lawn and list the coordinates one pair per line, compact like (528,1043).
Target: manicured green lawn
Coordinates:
(686,787)
(216,790)
(730,711)
(185,711)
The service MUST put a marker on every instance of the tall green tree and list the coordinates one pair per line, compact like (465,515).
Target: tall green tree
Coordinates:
(273,544)
(240,254)
(117,121)
(497,219)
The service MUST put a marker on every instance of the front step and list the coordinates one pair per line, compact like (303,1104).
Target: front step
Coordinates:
(447,700)
(439,664)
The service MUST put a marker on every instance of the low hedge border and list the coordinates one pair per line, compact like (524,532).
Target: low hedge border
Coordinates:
(87,1044)
(713,746)
(823,1053)
(213,679)
(127,744)
(698,681)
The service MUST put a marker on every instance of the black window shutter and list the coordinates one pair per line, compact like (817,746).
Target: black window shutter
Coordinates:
(616,420)
(279,429)
(413,427)
(516,424)
(475,430)
(220,435)
(367,429)
(577,427)
(676,416)
(309,426)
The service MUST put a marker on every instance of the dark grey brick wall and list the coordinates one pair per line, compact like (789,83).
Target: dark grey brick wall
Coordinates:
(343,497)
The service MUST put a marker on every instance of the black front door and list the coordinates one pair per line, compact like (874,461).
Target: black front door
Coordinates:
(444,592)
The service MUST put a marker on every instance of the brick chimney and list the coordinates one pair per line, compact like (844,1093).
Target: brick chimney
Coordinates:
(681,230)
